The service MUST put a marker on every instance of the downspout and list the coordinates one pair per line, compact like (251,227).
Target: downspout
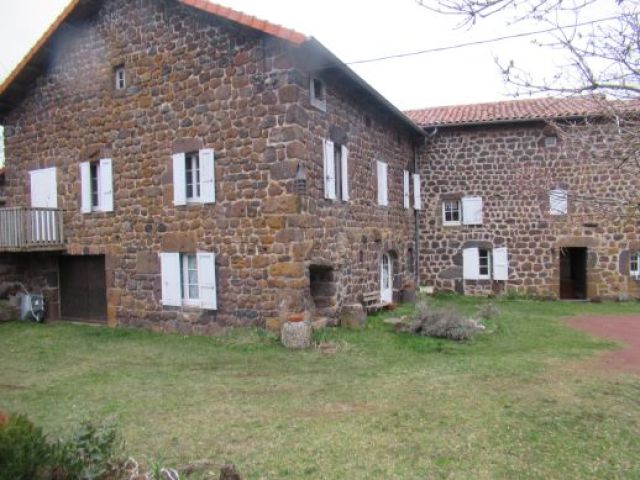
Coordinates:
(416,213)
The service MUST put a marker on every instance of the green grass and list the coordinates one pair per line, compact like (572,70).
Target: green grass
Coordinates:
(514,403)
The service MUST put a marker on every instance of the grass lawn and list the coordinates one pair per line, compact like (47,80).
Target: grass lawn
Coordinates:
(514,403)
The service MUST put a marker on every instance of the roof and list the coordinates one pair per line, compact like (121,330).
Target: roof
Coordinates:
(37,58)
(517,111)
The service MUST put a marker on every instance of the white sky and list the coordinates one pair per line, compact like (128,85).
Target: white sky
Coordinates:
(354,30)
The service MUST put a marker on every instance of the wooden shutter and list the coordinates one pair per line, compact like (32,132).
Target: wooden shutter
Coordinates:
(171,283)
(558,202)
(207,280)
(329,171)
(179,179)
(207,176)
(472,210)
(85,187)
(44,188)
(417,199)
(471,264)
(106,185)
(383,198)
(345,173)
(405,188)
(500,264)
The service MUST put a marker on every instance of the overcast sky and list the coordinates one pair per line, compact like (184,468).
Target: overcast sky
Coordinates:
(353,30)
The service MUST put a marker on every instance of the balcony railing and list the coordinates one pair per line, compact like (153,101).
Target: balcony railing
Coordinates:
(30,229)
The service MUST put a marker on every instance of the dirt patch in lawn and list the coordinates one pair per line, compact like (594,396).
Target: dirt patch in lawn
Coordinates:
(623,329)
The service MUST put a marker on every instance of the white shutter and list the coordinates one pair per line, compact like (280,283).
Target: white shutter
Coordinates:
(558,202)
(329,170)
(207,281)
(207,176)
(44,188)
(500,264)
(417,199)
(345,173)
(85,187)
(106,185)
(471,264)
(472,210)
(171,284)
(179,179)
(383,198)
(405,188)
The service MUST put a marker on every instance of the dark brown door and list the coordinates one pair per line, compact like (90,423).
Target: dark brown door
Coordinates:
(83,289)
(573,273)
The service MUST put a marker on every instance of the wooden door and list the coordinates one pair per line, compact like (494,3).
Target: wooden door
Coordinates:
(83,291)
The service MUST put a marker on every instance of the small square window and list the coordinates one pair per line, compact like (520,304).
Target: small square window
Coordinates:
(318,93)
(484,257)
(120,78)
(451,212)
(550,141)
(634,264)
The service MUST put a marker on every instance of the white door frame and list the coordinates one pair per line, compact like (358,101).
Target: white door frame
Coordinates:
(386,279)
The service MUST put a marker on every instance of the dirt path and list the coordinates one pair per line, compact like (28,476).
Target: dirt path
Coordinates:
(623,329)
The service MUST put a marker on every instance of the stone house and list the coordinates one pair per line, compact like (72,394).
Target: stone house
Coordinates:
(530,196)
(180,166)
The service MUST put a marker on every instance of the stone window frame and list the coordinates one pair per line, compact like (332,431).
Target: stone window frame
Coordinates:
(451,223)
(318,93)
(119,77)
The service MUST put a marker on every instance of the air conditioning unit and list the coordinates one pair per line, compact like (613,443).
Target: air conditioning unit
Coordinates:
(32,307)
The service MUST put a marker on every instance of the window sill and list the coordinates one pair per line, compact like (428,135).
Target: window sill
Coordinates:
(451,224)
(319,104)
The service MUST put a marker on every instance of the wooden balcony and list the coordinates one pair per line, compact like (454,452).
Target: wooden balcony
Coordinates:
(31,229)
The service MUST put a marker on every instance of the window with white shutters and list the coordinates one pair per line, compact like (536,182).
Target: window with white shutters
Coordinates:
(500,259)
(417,199)
(383,194)
(485,264)
(194,177)
(336,171)
(558,202)
(96,182)
(189,279)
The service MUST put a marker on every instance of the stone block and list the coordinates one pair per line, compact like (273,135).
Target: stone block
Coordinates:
(296,335)
(353,317)
(148,263)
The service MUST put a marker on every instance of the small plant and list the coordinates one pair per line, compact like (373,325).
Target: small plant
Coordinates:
(91,449)
(24,450)
(488,311)
(446,323)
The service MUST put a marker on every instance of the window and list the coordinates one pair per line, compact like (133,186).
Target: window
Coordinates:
(383,194)
(558,202)
(120,77)
(451,212)
(190,288)
(550,141)
(318,93)
(405,189)
(484,263)
(336,171)
(96,186)
(194,177)
(189,279)
(634,264)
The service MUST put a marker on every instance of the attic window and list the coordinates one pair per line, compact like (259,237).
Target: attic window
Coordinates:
(318,92)
(550,141)
(120,77)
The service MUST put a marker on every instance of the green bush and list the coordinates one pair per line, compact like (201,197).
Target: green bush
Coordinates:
(24,450)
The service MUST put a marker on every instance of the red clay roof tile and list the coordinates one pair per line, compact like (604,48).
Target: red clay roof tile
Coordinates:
(516,110)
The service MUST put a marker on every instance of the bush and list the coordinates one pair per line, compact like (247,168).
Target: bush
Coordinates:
(25,452)
(488,311)
(440,323)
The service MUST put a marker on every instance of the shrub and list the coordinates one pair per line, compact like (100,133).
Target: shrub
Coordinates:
(24,450)
(488,311)
(440,323)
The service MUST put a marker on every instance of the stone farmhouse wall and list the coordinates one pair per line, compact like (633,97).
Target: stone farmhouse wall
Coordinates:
(197,81)
(510,167)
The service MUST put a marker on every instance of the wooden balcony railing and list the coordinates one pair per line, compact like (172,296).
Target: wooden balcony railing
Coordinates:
(31,229)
